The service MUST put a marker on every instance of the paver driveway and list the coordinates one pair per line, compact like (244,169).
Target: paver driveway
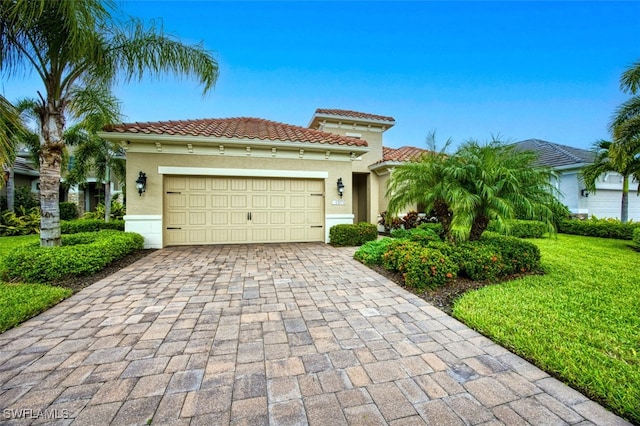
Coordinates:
(278,334)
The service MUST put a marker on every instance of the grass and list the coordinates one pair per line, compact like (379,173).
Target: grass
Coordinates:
(580,321)
(19,302)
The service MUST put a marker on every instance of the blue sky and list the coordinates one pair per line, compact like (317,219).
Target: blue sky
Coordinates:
(467,70)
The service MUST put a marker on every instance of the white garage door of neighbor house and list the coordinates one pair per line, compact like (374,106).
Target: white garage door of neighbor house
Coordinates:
(238,210)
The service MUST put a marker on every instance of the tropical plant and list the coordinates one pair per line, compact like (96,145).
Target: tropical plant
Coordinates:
(79,50)
(608,158)
(625,123)
(477,184)
(98,156)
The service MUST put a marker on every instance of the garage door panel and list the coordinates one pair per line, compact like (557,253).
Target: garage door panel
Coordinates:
(198,218)
(215,210)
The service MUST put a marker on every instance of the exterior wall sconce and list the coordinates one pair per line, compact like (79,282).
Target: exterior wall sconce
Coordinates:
(584,193)
(141,183)
(340,187)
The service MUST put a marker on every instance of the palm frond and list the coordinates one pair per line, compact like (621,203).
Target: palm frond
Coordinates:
(630,79)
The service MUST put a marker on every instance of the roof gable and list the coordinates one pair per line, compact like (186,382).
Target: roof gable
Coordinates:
(555,155)
(237,128)
(346,116)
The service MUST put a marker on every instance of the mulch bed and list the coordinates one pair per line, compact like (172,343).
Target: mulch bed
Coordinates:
(78,283)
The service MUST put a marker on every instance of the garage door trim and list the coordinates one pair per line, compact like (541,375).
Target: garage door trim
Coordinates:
(206,171)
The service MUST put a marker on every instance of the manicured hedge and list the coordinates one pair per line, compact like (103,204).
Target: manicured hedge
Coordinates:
(89,225)
(352,235)
(429,263)
(370,253)
(604,228)
(80,254)
(636,238)
(68,211)
(523,228)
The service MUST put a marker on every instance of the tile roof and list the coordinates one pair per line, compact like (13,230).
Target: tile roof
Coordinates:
(354,114)
(405,153)
(237,127)
(555,155)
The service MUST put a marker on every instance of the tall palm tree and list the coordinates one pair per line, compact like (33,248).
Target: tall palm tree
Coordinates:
(625,123)
(477,184)
(608,157)
(76,45)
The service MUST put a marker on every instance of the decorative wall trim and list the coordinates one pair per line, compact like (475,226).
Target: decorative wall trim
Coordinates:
(147,225)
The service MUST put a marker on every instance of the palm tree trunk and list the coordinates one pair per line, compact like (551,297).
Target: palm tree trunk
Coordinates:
(11,189)
(480,224)
(50,163)
(624,207)
(107,201)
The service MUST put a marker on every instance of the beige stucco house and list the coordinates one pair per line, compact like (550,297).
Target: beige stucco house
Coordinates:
(249,180)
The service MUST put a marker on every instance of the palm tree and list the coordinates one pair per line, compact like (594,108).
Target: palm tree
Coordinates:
(93,154)
(611,157)
(625,123)
(75,46)
(479,183)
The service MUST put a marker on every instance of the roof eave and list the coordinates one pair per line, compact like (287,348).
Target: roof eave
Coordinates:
(252,142)
(317,118)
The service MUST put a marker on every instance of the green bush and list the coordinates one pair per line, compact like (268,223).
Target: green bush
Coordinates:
(636,238)
(89,225)
(429,268)
(352,235)
(480,261)
(603,228)
(423,236)
(518,256)
(118,210)
(523,228)
(399,253)
(80,254)
(400,233)
(433,226)
(370,253)
(21,223)
(68,211)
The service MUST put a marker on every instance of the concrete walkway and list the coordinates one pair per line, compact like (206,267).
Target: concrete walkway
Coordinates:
(267,334)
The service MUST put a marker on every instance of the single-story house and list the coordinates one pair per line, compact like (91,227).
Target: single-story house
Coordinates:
(568,161)
(250,180)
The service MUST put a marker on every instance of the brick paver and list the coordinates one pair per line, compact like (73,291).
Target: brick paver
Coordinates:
(267,334)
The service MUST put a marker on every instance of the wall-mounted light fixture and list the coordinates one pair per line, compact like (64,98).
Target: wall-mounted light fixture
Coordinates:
(584,193)
(340,187)
(141,183)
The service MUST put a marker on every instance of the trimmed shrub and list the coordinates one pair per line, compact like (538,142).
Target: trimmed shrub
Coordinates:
(89,225)
(603,228)
(480,262)
(636,238)
(400,233)
(399,254)
(434,226)
(423,236)
(523,228)
(370,253)
(429,268)
(68,211)
(352,235)
(80,254)
(518,256)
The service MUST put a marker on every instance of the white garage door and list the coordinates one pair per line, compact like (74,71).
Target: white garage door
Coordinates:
(217,210)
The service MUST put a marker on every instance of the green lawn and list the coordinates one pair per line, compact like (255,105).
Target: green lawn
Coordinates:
(19,302)
(580,321)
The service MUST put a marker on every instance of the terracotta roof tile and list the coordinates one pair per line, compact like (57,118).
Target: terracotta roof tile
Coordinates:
(238,127)
(405,153)
(354,114)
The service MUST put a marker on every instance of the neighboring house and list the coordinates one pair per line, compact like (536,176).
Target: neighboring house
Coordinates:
(567,162)
(25,174)
(249,180)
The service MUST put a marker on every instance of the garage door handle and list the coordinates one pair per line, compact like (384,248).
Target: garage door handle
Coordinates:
(171,192)
(173,228)
(316,226)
